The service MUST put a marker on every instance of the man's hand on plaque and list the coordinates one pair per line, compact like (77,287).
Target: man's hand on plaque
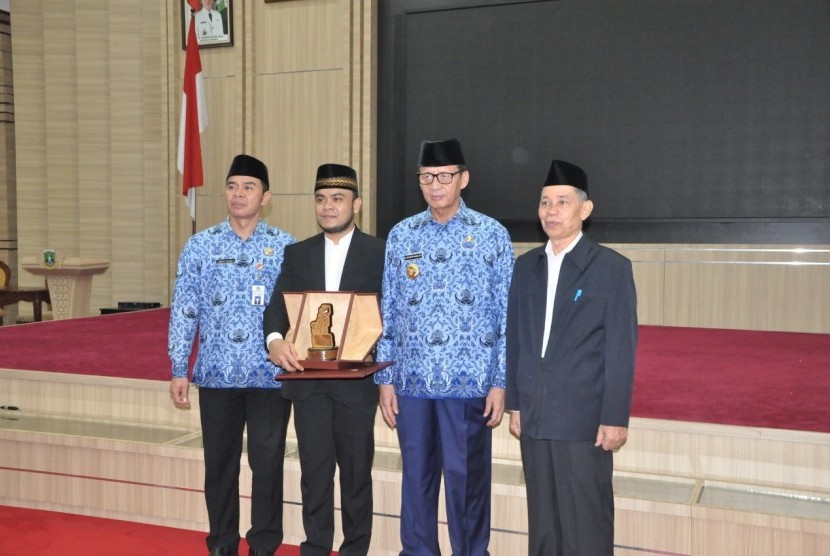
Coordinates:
(283,353)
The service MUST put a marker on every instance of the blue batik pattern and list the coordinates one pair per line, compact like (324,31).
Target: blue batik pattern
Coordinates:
(213,294)
(444,306)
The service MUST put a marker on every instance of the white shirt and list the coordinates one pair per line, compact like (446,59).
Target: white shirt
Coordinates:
(554,266)
(208,25)
(335,261)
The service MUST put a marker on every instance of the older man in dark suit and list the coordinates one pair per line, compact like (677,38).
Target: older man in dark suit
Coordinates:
(571,340)
(334,419)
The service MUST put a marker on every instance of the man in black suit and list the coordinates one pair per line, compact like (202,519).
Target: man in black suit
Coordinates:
(334,419)
(571,341)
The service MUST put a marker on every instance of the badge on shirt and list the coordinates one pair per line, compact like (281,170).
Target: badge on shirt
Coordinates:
(412,271)
(469,241)
(257,294)
(267,251)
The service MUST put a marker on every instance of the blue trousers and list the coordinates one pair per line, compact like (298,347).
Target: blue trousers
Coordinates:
(448,436)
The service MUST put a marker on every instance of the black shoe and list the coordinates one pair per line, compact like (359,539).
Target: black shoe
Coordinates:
(224,551)
(255,552)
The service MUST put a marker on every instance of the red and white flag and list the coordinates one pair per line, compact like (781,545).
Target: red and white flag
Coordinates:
(193,119)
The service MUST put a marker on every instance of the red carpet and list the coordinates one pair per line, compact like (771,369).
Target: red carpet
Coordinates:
(737,377)
(38,533)
(734,377)
(129,345)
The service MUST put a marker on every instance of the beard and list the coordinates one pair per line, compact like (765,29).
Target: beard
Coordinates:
(339,228)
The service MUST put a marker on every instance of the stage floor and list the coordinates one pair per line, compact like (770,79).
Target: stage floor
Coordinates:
(116,447)
(733,377)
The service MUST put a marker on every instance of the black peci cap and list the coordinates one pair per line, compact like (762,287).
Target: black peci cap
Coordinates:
(336,175)
(441,153)
(246,165)
(565,173)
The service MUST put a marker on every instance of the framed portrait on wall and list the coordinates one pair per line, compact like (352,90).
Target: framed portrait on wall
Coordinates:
(214,22)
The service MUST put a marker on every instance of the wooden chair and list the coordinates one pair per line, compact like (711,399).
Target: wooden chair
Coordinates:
(10,295)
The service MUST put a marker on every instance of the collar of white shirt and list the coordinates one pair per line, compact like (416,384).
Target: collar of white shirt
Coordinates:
(336,260)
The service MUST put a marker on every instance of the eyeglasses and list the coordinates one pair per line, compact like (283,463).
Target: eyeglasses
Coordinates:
(443,178)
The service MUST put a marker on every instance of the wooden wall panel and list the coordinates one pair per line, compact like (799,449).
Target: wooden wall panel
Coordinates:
(649,276)
(91,137)
(220,141)
(30,130)
(753,287)
(60,117)
(8,192)
(306,110)
(29,125)
(126,157)
(757,288)
(750,287)
(301,36)
(718,531)
(153,281)
(362,107)
(300,127)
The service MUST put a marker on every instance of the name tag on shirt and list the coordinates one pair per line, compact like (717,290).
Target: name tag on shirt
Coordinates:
(257,294)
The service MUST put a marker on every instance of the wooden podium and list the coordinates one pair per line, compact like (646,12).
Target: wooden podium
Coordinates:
(69,282)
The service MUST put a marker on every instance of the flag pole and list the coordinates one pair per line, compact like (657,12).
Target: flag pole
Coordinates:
(193,119)
(193,212)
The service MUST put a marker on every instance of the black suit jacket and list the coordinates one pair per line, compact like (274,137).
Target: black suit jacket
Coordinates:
(587,374)
(304,269)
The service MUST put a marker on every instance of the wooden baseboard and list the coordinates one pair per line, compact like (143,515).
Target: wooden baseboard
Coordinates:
(117,448)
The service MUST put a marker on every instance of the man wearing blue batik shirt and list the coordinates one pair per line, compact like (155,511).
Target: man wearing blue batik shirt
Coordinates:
(224,279)
(444,306)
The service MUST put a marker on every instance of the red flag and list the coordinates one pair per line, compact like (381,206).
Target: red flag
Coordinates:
(193,118)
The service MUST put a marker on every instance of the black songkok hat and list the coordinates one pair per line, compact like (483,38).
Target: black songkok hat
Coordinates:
(441,153)
(336,175)
(246,165)
(565,173)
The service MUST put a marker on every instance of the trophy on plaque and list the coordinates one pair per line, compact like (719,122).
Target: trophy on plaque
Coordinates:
(336,330)
(322,339)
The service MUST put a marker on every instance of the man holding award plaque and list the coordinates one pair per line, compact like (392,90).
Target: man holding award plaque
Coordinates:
(334,419)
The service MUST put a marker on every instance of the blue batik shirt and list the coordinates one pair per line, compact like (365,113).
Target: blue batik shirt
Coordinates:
(444,306)
(219,280)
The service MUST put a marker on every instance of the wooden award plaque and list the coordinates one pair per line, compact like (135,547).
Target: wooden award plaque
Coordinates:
(352,328)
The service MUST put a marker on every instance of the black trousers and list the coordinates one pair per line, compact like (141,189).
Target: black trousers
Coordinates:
(570,498)
(331,430)
(225,413)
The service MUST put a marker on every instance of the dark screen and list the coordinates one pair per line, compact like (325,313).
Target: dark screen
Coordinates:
(696,121)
